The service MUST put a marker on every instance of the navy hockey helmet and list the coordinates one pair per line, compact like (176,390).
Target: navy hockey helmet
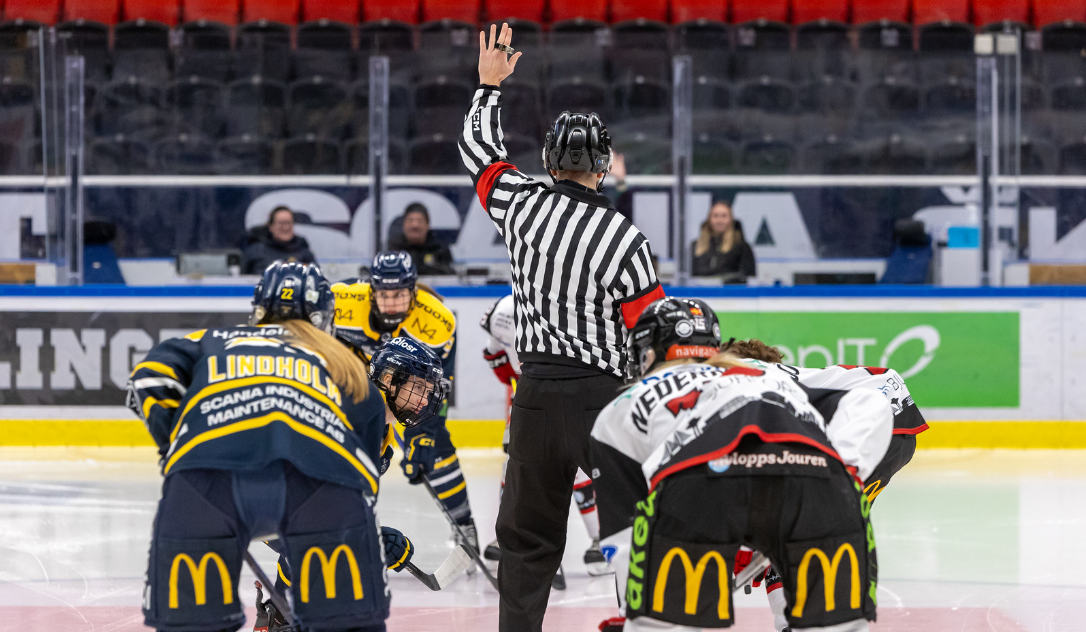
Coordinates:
(392,271)
(291,290)
(412,379)
(673,328)
(578,142)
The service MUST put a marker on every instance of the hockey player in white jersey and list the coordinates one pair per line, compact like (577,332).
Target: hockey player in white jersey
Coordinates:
(706,454)
(501,354)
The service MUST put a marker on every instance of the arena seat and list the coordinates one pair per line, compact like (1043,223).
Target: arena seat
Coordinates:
(103,11)
(204,50)
(318,106)
(1062,43)
(1047,12)
(245,155)
(345,11)
(991,11)
(864,11)
(263,48)
(747,10)
(222,11)
(622,10)
(256,107)
(884,48)
(811,10)
(435,155)
(281,11)
(562,10)
(768,156)
(40,11)
(928,11)
(831,155)
(324,48)
(91,40)
(823,48)
(118,155)
(165,11)
(196,106)
(709,45)
(691,10)
(142,49)
(530,10)
(763,48)
(712,155)
(398,10)
(460,10)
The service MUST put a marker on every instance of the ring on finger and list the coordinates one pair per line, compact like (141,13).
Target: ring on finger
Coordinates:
(505,48)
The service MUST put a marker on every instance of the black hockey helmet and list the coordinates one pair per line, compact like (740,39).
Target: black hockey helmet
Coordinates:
(394,365)
(578,142)
(291,290)
(673,328)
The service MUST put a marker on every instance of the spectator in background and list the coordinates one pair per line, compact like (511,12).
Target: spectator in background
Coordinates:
(720,249)
(275,241)
(431,256)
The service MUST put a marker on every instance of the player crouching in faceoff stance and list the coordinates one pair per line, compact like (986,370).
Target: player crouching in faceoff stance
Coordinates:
(267,429)
(706,454)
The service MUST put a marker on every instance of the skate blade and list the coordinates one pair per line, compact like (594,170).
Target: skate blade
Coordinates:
(598,569)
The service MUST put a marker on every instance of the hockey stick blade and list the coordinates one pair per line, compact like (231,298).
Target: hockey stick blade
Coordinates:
(756,568)
(474,555)
(275,597)
(453,566)
(428,580)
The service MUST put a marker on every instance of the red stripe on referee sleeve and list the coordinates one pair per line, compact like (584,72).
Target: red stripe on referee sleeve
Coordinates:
(633,309)
(488,178)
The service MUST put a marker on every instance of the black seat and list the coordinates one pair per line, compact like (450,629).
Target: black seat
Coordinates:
(435,155)
(832,155)
(20,51)
(768,95)
(389,38)
(895,155)
(764,107)
(196,106)
(1062,44)
(91,40)
(204,51)
(889,105)
(711,94)
(884,49)
(826,106)
(440,104)
(130,107)
(118,156)
(641,98)
(310,155)
(949,107)
(708,44)
(641,48)
(1072,158)
(946,49)
(525,153)
(142,49)
(712,155)
(645,154)
(762,48)
(324,48)
(1067,101)
(13,159)
(521,107)
(358,157)
(256,107)
(768,155)
(185,154)
(245,155)
(579,47)
(399,110)
(319,106)
(576,94)
(822,48)
(449,48)
(263,48)
(957,156)
(1038,157)
(18,119)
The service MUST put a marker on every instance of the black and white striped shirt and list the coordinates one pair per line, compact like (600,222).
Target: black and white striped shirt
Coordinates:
(582,273)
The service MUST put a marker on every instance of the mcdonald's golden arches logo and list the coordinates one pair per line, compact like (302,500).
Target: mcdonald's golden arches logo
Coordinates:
(328,571)
(829,571)
(694,576)
(199,578)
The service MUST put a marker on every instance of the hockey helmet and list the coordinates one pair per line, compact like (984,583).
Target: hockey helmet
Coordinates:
(578,142)
(402,363)
(392,271)
(293,291)
(673,328)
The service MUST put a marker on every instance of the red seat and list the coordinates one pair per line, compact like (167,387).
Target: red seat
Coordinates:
(988,11)
(334,10)
(874,10)
(690,10)
(811,10)
(1049,11)
(531,10)
(459,10)
(622,10)
(928,11)
(401,10)
(165,11)
(44,11)
(282,11)
(224,11)
(587,9)
(104,11)
(747,10)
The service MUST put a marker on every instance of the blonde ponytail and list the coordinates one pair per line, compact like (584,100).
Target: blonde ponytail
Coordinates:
(348,371)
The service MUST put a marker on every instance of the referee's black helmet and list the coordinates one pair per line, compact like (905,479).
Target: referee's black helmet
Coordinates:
(673,328)
(578,142)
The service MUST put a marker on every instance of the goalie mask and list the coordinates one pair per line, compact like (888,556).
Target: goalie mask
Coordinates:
(293,291)
(411,378)
(392,271)
(672,329)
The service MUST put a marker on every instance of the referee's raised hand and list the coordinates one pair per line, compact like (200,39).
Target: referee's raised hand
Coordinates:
(495,62)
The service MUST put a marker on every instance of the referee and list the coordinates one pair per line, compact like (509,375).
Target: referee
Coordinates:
(582,274)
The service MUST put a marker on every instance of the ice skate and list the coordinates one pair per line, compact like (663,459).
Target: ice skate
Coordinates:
(595,561)
(492,552)
(470,537)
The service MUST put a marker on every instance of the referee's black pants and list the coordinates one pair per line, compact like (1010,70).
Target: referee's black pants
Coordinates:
(548,440)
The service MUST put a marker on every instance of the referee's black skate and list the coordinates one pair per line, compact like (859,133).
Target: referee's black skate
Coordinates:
(492,553)
(559,581)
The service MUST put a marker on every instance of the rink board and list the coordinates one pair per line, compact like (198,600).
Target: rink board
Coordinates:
(988,367)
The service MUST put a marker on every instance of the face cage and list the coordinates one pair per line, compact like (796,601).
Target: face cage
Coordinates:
(435,398)
(392,320)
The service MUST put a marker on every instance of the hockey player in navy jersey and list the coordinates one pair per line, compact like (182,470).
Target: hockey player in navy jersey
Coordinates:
(268,429)
(706,454)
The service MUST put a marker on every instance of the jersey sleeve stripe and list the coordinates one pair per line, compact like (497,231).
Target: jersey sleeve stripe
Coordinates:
(157,367)
(150,402)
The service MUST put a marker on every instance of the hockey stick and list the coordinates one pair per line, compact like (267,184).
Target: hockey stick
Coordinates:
(276,599)
(453,566)
(757,566)
(456,527)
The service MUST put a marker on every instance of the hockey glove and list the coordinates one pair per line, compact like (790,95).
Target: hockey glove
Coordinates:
(614,624)
(499,363)
(418,458)
(398,549)
(386,459)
